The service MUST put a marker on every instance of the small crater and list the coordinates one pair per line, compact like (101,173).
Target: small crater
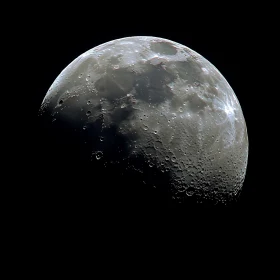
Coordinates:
(88,113)
(190,191)
(99,155)
(173,158)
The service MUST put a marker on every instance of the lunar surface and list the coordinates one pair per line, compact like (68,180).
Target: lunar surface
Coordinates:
(151,114)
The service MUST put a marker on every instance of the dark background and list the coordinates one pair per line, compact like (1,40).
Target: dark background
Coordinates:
(230,39)
(55,211)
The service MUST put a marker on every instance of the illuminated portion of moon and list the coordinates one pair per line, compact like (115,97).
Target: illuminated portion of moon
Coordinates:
(169,106)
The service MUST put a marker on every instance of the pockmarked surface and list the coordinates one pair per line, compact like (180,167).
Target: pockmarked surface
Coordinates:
(156,100)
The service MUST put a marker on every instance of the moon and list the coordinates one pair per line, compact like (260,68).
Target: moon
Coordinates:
(152,111)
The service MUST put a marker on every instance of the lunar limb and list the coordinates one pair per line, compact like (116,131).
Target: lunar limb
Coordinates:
(153,107)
